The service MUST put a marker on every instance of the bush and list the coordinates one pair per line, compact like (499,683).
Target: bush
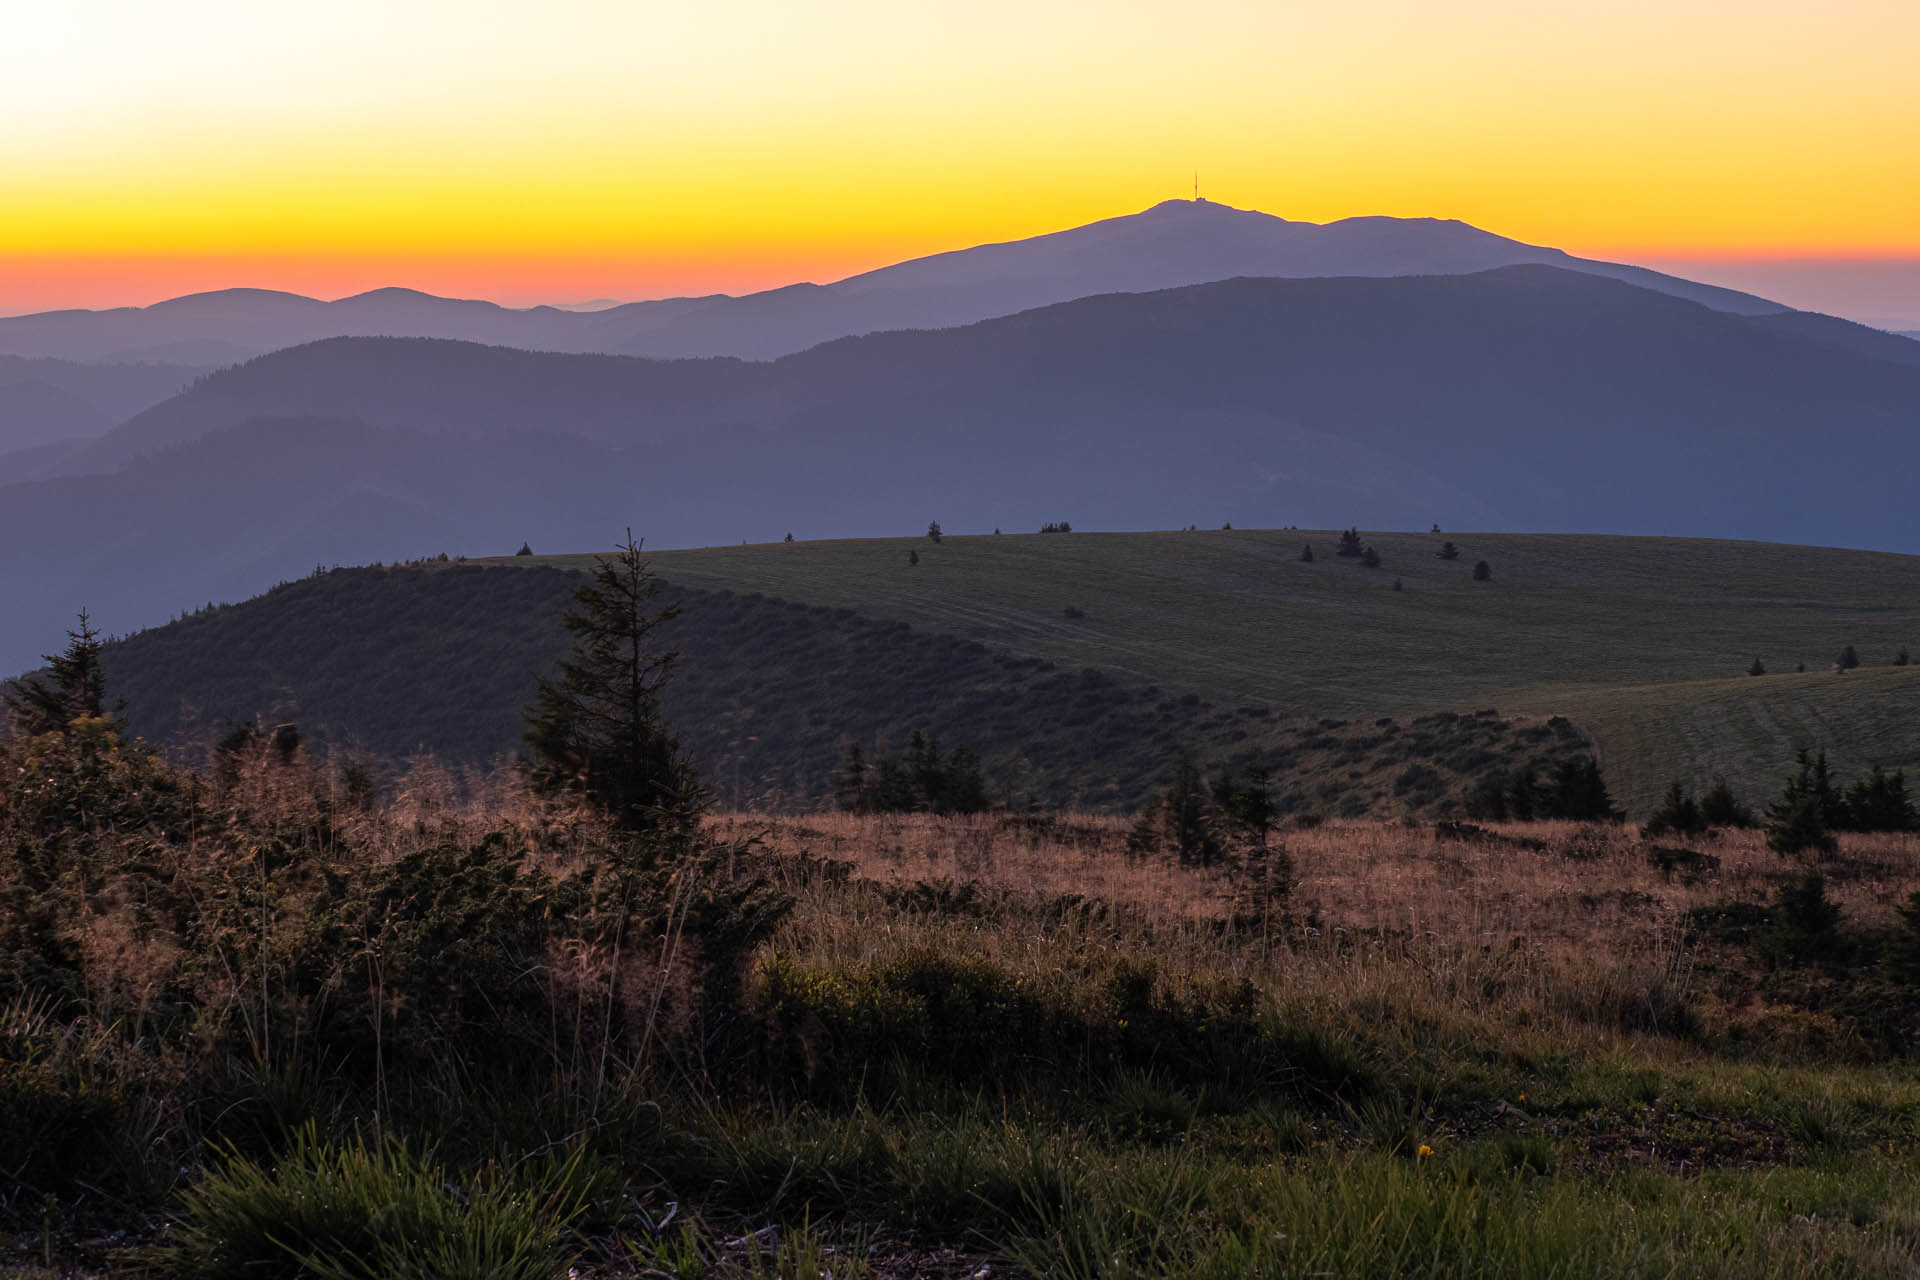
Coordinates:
(378,1210)
(924,782)
(1757,669)
(1482,572)
(1806,923)
(1678,813)
(1370,558)
(1849,659)
(1808,809)
(1720,808)
(1796,826)
(1182,819)
(1306,554)
(1448,551)
(1349,545)
(1878,802)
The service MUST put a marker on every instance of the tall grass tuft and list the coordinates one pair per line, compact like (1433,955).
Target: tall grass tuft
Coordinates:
(376,1209)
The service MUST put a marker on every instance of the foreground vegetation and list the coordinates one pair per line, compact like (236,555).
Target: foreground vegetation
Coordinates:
(255,1020)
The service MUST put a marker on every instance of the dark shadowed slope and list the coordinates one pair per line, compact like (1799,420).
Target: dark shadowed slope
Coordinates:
(442,658)
(1524,398)
(1172,244)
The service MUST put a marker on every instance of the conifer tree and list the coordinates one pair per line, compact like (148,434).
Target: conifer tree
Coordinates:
(1808,810)
(73,687)
(595,727)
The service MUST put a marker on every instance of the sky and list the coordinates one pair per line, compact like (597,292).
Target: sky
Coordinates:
(566,150)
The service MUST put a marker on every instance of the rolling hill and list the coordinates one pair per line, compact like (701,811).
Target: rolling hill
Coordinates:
(1174,243)
(1526,397)
(1223,643)
(51,402)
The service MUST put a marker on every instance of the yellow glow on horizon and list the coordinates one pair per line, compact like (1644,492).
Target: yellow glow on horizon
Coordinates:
(518,150)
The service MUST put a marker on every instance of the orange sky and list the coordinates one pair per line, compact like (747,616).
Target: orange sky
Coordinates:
(578,149)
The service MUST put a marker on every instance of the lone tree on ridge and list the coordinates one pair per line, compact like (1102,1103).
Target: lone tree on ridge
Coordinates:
(595,727)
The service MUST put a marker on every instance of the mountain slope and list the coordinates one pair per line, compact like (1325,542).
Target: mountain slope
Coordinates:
(1172,244)
(1218,641)
(442,658)
(1526,397)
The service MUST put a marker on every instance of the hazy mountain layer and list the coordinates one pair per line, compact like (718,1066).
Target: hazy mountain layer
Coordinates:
(1523,398)
(46,402)
(1172,244)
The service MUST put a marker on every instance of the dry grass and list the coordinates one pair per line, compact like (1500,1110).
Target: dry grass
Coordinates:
(1576,884)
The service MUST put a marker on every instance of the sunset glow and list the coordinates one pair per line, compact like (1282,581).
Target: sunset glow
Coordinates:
(580,149)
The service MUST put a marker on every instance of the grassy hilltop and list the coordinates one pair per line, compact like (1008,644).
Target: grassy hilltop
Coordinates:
(1641,641)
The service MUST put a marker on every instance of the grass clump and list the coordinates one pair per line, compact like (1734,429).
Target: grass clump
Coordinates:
(374,1209)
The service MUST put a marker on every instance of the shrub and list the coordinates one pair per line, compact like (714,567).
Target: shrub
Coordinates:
(1796,826)
(1576,791)
(1901,658)
(1349,544)
(1306,554)
(1808,809)
(1448,551)
(1805,921)
(1878,802)
(1482,572)
(1370,558)
(1903,950)
(1181,819)
(526,549)
(923,782)
(1757,669)
(1849,659)
(1720,808)
(1678,813)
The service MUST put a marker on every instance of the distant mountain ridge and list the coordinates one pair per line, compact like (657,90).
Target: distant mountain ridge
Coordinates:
(1523,398)
(46,402)
(1170,245)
